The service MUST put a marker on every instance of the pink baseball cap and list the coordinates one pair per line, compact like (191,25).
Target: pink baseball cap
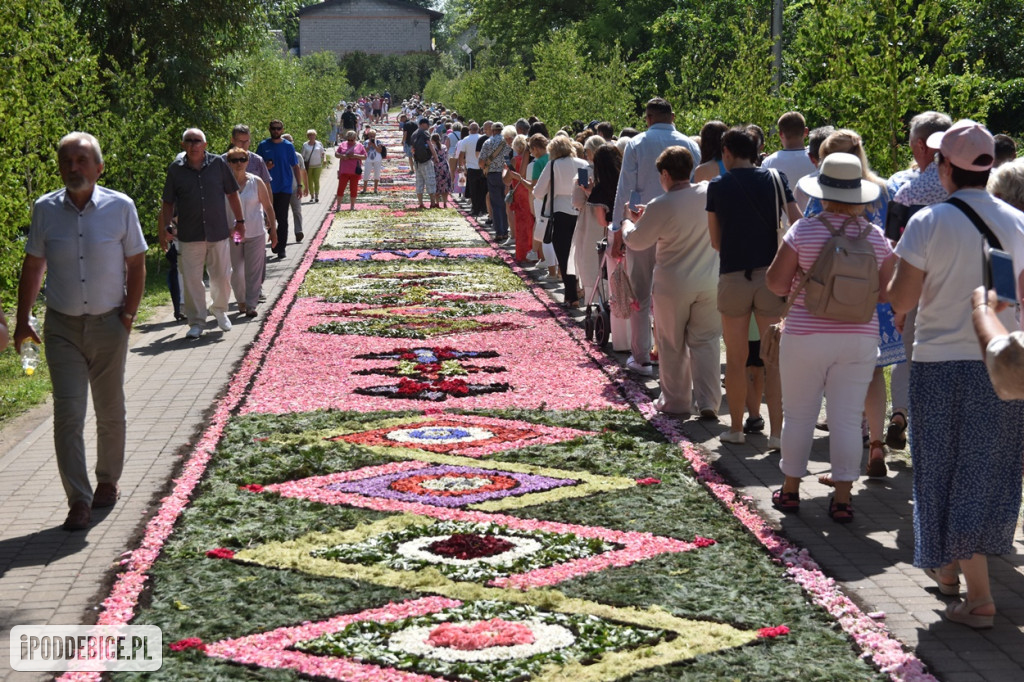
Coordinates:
(967,144)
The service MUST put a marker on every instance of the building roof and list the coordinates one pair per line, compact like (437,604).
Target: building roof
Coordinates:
(400,3)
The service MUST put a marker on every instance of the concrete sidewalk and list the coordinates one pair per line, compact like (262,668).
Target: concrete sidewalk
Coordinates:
(48,575)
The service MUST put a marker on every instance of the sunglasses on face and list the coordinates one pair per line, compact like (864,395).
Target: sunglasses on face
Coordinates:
(277,127)
(238,159)
(193,140)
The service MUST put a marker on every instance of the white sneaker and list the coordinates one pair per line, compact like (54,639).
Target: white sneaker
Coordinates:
(774,443)
(645,369)
(541,264)
(531,255)
(223,322)
(194,332)
(734,437)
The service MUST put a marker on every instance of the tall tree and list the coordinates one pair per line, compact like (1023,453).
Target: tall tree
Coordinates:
(49,87)
(871,64)
(186,43)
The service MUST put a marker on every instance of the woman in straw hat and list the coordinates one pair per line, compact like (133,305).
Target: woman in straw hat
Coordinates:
(820,356)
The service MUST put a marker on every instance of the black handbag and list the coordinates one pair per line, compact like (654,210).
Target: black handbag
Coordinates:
(359,168)
(549,230)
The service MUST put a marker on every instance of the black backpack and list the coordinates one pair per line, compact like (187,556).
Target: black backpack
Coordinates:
(383,152)
(421,148)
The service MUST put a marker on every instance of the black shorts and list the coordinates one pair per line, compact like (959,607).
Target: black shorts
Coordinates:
(376,112)
(754,354)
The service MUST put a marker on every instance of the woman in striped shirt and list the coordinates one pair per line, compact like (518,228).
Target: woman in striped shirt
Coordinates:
(819,356)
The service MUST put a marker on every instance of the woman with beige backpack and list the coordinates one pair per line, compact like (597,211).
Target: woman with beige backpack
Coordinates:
(833,267)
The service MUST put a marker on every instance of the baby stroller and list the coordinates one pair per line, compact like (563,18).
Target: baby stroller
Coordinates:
(597,324)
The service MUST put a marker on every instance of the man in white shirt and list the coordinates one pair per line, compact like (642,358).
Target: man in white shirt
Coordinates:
(469,160)
(792,159)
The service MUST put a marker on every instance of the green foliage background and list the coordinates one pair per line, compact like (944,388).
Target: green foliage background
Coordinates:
(865,64)
(168,70)
(136,76)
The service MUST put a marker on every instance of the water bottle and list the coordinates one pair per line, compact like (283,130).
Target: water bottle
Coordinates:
(237,237)
(29,351)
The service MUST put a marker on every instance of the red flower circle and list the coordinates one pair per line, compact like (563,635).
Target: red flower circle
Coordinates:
(470,546)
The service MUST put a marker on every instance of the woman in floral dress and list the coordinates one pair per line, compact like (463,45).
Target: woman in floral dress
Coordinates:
(441,171)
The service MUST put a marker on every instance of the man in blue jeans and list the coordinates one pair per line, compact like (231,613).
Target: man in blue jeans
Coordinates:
(493,156)
(279,154)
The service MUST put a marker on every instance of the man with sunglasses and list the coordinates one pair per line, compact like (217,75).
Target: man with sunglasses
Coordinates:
(279,154)
(196,185)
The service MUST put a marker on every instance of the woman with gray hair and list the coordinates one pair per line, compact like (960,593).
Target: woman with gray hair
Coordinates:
(1007,183)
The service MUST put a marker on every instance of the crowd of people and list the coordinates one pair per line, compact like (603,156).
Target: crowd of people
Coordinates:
(812,271)
(724,245)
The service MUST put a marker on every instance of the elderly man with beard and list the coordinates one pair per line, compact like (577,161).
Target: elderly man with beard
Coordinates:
(88,238)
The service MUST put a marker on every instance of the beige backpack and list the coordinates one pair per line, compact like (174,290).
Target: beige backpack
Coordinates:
(842,284)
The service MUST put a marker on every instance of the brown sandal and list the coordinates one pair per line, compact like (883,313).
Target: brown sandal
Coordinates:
(876,465)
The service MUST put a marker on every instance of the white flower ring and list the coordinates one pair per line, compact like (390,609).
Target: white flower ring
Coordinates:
(547,637)
(417,549)
(438,435)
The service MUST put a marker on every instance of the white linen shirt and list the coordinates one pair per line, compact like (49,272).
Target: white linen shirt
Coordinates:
(85,250)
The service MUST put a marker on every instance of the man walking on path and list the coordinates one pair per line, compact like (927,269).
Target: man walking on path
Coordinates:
(88,238)
(242,138)
(640,174)
(299,184)
(196,185)
(424,156)
(279,154)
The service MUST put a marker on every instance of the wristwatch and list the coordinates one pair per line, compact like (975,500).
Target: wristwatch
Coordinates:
(130,316)
(239,220)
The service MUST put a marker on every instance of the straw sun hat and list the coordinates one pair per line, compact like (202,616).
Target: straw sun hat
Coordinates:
(840,178)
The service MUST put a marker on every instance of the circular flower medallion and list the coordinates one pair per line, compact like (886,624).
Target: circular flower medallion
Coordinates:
(481,634)
(438,435)
(453,484)
(470,546)
(435,549)
(474,641)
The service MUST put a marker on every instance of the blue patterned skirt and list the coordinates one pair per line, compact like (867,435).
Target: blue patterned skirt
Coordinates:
(967,448)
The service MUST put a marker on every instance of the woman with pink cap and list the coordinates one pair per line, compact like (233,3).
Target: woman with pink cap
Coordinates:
(967,471)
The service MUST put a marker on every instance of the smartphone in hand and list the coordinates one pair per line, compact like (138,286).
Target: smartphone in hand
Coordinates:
(1001,277)
(583,176)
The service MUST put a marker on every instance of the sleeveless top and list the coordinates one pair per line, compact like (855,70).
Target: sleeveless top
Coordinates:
(252,210)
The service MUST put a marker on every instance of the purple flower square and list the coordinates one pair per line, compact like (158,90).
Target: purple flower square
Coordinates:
(450,486)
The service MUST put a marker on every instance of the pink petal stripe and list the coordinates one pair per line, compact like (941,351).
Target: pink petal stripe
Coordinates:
(119,606)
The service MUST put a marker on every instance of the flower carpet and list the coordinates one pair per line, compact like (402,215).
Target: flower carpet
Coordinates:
(421,472)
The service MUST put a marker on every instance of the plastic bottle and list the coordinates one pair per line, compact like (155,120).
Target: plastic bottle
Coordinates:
(29,351)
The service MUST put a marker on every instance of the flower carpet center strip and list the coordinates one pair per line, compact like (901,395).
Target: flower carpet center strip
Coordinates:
(421,471)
